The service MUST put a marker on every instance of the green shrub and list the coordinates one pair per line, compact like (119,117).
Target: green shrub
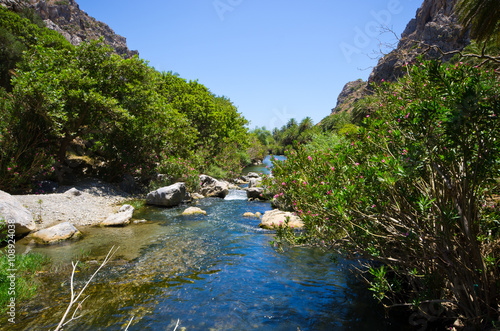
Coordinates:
(410,189)
(25,281)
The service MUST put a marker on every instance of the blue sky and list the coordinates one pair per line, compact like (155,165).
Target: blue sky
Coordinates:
(274,59)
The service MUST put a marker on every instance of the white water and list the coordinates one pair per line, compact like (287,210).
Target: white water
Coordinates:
(236,195)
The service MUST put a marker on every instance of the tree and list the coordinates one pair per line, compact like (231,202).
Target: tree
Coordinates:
(482,17)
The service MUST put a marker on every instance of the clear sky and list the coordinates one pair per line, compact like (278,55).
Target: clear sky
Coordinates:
(275,59)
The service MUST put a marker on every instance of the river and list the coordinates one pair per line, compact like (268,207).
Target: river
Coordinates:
(214,272)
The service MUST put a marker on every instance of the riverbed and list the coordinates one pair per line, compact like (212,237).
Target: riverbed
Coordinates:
(214,272)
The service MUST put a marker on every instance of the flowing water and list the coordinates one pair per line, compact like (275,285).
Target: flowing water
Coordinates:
(214,272)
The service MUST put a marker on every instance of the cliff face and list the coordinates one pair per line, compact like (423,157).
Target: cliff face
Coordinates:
(65,17)
(434,24)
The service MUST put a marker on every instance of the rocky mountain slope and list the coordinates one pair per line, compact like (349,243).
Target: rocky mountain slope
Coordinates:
(66,17)
(435,24)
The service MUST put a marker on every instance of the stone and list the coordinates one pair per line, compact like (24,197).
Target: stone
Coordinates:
(73,192)
(249,214)
(255,193)
(276,218)
(121,218)
(168,196)
(211,187)
(254,182)
(57,233)
(197,196)
(194,211)
(253,175)
(13,212)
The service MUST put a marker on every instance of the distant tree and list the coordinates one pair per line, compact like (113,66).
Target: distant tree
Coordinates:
(306,124)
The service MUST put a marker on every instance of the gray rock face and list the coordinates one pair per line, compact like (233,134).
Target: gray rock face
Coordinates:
(168,196)
(435,24)
(276,218)
(211,187)
(13,212)
(56,233)
(74,24)
(121,218)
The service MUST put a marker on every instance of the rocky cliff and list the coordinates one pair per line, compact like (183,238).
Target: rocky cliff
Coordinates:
(75,25)
(435,24)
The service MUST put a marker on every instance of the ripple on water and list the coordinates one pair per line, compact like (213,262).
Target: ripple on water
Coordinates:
(211,272)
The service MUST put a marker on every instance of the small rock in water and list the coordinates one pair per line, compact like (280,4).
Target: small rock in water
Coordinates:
(273,219)
(256,215)
(60,232)
(121,218)
(194,211)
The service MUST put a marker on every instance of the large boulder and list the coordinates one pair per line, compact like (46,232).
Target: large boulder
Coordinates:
(56,233)
(13,212)
(211,187)
(275,218)
(121,218)
(169,196)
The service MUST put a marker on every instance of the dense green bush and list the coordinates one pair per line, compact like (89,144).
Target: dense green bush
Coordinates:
(411,189)
(132,119)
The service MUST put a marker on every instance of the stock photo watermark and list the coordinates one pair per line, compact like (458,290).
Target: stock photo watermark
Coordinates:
(11,278)
(363,37)
(222,7)
(280,118)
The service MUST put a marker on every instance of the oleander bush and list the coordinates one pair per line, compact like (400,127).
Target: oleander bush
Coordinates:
(413,188)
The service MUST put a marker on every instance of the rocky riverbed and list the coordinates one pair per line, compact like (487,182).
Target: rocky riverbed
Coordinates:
(90,204)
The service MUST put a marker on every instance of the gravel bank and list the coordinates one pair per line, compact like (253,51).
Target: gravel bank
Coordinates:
(97,201)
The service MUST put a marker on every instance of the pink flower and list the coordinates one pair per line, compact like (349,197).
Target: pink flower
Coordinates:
(333,168)
(383,160)
(310,158)
(367,116)
(284,184)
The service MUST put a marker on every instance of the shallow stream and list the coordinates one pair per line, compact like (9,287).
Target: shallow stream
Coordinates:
(214,272)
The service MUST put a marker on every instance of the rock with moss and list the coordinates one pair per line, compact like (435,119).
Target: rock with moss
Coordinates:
(60,232)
